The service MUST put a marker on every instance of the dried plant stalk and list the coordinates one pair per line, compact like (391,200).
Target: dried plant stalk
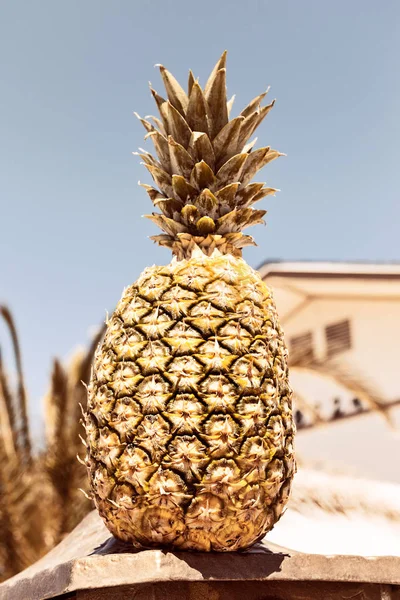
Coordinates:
(40,501)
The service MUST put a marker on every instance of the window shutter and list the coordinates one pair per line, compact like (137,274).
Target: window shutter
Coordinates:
(301,346)
(338,337)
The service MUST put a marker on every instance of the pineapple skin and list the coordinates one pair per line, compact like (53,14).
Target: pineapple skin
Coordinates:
(189,420)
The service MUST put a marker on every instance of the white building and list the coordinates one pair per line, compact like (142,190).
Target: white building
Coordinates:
(345,318)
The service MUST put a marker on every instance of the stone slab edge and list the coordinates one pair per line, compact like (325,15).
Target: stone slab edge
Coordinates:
(152,566)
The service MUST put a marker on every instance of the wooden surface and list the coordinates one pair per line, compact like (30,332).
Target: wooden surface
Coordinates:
(91,565)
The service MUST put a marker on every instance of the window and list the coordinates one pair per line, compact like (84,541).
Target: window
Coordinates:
(338,337)
(301,347)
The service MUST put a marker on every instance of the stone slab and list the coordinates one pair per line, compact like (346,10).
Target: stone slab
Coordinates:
(91,559)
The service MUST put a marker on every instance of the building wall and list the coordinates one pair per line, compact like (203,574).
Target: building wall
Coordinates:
(374,316)
(365,446)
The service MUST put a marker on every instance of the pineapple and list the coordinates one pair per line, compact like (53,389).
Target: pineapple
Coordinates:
(189,421)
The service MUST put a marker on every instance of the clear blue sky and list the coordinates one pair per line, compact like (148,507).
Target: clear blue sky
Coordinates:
(73,72)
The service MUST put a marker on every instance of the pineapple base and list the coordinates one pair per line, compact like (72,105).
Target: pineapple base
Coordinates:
(189,421)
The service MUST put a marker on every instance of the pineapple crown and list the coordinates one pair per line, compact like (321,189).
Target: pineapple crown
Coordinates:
(204,166)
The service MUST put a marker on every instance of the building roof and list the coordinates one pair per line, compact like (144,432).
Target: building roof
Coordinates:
(330,269)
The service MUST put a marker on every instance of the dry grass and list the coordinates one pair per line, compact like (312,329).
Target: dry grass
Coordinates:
(40,501)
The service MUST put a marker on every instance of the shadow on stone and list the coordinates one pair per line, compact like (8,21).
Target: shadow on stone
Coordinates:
(210,565)
(114,546)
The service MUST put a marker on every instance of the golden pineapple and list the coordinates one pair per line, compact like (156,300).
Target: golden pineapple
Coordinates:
(189,422)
